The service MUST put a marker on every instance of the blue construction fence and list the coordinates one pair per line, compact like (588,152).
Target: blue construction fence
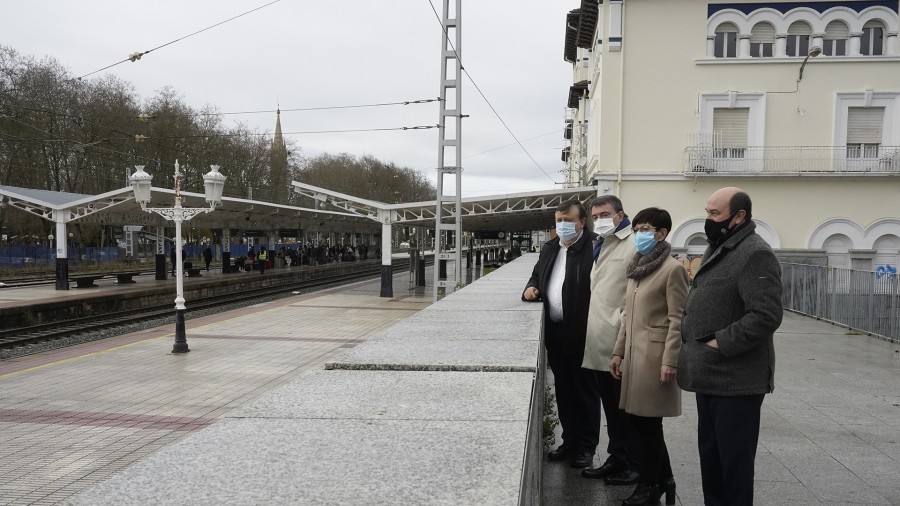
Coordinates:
(33,254)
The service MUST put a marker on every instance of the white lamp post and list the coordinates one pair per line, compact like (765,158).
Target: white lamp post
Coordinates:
(214,184)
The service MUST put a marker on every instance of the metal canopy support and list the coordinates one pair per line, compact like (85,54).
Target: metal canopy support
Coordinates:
(451,106)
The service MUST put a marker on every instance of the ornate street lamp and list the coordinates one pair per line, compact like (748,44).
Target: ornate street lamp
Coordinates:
(214,184)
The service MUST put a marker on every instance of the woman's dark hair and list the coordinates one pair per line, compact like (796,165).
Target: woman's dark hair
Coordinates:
(658,218)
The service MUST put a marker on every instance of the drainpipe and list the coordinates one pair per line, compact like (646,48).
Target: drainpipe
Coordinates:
(621,107)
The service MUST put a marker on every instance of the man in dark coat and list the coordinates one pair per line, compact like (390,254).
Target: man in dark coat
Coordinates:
(562,280)
(207,256)
(728,355)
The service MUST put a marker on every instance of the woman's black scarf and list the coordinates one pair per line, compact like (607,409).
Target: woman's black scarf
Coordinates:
(642,265)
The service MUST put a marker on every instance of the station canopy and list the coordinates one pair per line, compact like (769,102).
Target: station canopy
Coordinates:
(118,208)
(337,212)
(509,212)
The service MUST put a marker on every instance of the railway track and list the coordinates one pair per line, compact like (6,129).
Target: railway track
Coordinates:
(56,331)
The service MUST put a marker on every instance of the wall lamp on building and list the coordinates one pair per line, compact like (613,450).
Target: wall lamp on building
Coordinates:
(813,52)
(214,184)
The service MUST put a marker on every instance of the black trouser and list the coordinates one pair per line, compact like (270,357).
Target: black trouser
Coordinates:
(624,443)
(727,435)
(655,454)
(577,394)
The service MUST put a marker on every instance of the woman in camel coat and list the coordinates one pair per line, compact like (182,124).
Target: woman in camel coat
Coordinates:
(646,350)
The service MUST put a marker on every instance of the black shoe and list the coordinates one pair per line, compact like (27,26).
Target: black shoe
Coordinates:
(583,459)
(561,453)
(625,477)
(607,469)
(668,487)
(643,494)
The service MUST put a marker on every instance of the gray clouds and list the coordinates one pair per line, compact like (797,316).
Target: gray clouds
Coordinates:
(327,53)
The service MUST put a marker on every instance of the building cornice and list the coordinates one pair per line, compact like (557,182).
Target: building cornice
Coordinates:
(794,59)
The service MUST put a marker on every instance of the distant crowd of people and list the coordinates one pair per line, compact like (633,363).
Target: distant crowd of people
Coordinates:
(260,258)
(302,254)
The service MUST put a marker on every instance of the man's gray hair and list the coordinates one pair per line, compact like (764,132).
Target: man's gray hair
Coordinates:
(609,199)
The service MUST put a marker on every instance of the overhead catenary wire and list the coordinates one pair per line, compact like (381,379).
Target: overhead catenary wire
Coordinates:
(145,117)
(137,55)
(488,102)
(304,109)
(304,132)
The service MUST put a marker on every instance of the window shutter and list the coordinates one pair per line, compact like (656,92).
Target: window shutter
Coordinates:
(864,125)
(731,124)
(762,32)
(836,30)
(799,28)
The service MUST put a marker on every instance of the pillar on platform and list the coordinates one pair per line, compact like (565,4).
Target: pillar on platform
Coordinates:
(387,275)
(226,250)
(62,253)
(160,254)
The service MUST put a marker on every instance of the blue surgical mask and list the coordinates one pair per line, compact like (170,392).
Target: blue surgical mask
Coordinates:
(644,242)
(566,230)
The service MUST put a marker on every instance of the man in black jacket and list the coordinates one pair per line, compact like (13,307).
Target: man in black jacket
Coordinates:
(562,280)
(728,353)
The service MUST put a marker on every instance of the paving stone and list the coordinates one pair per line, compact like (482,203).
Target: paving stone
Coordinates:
(398,395)
(303,461)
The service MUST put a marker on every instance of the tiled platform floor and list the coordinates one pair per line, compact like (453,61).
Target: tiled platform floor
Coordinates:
(72,417)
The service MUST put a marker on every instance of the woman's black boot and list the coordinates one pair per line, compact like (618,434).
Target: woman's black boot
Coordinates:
(667,487)
(643,494)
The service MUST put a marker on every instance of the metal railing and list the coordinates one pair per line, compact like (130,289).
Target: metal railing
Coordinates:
(713,158)
(866,301)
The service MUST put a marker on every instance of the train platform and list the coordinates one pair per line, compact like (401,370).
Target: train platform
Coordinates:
(338,398)
(144,279)
(72,417)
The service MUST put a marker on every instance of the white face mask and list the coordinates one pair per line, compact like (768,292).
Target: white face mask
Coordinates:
(604,227)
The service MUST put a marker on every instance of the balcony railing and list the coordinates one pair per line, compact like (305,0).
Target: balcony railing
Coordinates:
(855,159)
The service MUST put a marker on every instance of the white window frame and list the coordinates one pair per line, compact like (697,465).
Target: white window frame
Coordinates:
(759,49)
(890,128)
(868,35)
(724,34)
(796,39)
(756,125)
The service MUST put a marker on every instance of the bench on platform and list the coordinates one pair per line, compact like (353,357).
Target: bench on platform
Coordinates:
(86,281)
(125,277)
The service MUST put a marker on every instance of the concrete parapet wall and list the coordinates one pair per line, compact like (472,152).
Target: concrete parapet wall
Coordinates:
(443,408)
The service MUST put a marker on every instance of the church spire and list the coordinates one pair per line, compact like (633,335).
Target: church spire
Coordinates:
(278,138)
(279,175)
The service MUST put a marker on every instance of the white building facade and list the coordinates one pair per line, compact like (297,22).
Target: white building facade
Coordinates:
(798,103)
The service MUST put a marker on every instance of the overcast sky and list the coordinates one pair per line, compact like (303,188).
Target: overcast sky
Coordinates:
(304,53)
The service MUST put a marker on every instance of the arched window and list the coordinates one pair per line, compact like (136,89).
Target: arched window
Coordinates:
(762,40)
(836,35)
(872,40)
(726,41)
(798,39)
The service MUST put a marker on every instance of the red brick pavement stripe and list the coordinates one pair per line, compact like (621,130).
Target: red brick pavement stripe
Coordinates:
(92,419)
(335,340)
(363,307)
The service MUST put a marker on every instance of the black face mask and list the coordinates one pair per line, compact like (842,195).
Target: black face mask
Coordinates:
(716,230)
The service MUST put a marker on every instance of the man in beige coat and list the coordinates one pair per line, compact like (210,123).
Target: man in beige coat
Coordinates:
(612,252)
